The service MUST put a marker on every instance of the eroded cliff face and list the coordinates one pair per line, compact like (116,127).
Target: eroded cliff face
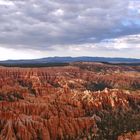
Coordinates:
(68,103)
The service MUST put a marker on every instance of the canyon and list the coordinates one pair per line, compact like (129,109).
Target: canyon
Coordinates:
(81,101)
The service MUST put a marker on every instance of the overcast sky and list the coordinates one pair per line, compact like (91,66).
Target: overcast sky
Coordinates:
(42,28)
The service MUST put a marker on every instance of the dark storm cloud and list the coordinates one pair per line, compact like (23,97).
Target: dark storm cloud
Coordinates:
(41,24)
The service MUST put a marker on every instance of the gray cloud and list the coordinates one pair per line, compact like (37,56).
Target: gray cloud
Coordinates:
(43,24)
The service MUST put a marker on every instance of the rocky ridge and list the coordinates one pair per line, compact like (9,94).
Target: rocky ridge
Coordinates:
(68,103)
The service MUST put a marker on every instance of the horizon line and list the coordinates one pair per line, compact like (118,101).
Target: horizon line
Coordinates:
(70,57)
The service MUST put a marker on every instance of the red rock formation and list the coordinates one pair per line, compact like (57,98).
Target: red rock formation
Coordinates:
(55,103)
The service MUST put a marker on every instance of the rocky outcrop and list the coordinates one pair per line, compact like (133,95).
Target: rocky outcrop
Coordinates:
(57,104)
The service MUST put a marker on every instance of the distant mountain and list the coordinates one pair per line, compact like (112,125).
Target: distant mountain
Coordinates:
(71,59)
